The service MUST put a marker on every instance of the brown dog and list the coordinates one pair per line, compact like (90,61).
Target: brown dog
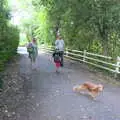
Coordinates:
(93,89)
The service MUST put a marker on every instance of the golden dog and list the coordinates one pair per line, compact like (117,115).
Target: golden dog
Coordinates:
(92,88)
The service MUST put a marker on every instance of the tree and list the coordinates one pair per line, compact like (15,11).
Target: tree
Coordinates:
(9,35)
(91,21)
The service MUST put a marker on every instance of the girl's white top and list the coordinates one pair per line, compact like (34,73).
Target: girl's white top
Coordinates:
(59,44)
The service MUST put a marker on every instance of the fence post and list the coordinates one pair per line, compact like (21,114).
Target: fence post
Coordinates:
(66,51)
(117,66)
(84,55)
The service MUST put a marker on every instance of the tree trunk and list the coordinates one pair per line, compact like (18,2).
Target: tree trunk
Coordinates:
(105,48)
(104,44)
(28,38)
(102,28)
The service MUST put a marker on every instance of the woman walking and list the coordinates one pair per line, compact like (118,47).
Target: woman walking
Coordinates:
(33,51)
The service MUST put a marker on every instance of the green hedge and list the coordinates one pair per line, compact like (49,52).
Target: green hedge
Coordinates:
(8,45)
(9,37)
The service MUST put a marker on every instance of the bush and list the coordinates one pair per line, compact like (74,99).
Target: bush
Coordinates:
(8,45)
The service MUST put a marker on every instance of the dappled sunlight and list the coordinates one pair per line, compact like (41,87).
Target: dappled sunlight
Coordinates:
(42,52)
(18,12)
(22,50)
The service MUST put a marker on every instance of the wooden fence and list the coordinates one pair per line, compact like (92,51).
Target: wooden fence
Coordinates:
(100,61)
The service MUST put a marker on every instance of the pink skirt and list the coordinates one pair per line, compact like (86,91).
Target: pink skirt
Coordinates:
(57,64)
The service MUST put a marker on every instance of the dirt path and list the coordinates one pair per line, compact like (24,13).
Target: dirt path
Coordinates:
(44,95)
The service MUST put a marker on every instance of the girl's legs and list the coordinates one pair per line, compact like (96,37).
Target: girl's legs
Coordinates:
(57,66)
(61,55)
(34,57)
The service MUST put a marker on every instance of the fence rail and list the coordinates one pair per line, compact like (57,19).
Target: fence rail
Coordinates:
(90,58)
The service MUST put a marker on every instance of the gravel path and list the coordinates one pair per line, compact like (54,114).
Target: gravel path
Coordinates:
(43,94)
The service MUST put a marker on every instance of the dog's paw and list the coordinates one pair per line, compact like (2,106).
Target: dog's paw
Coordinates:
(82,93)
(75,88)
(93,98)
